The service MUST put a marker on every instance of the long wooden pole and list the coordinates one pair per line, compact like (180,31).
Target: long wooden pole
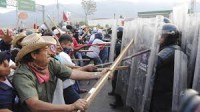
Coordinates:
(54,23)
(84,51)
(126,58)
(80,59)
(101,82)
(118,68)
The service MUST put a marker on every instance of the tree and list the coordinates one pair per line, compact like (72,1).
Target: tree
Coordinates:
(89,7)
(82,23)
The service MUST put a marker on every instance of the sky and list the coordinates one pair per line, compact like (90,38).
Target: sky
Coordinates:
(50,2)
(47,2)
(105,9)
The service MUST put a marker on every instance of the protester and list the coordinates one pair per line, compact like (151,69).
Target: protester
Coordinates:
(76,47)
(16,42)
(94,56)
(64,89)
(58,32)
(35,78)
(163,84)
(8,97)
(7,37)
(85,34)
(66,44)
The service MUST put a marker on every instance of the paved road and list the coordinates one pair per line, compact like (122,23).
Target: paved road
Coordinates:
(102,101)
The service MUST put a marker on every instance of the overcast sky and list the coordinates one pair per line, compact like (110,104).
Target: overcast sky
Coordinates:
(47,2)
(50,2)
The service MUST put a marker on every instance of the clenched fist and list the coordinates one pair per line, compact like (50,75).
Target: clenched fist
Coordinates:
(80,104)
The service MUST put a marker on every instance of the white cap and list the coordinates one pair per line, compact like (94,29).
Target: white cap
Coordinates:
(64,28)
(43,26)
(100,31)
(57,31)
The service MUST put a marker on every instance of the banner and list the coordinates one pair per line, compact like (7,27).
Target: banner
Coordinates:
(27,5)
(65,17)
(3,3)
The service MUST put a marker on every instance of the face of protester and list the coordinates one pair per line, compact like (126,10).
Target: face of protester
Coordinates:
(67,45)
(58,35)
(4,68)
(52,50)
(41,58)
(70,34)
(58,49)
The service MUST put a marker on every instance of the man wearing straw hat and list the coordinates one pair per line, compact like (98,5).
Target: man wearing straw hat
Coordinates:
(36,76)
(16,42)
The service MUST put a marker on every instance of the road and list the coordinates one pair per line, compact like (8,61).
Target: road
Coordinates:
(102,101)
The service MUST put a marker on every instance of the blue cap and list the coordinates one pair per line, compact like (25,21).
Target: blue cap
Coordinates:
(99,36)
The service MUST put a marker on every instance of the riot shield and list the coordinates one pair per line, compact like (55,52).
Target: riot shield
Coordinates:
(191,47)
(129,32)
(196,80)
(180,78)
(122,81)
(113,41)
(149,82)
(180,13)
(146,37)
(188,24)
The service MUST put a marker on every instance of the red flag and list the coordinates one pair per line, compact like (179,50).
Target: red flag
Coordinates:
(1,32)
(65,17)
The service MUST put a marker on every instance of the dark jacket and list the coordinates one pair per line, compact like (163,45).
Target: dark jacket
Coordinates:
(7,97)
(163,84)
(4,46)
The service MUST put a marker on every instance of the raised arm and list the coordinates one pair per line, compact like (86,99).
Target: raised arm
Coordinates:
(81,75)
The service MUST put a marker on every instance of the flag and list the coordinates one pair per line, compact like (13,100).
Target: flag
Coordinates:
(65,17)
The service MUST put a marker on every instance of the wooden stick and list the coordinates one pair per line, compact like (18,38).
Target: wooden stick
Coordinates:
(103,44)
(136,54)
(107,46)
(126,58)
(101,82)
(118,68)
(84,51)
(105,64)
(80,59)
(55,37)
(54,23)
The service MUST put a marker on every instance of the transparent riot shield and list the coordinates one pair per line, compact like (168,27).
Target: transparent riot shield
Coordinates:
(180,13)
(113,41)
(188,25)
(180,78)
(129,32)
(196,79)
(122,81)
(146,38)
(191,46)
(152,62)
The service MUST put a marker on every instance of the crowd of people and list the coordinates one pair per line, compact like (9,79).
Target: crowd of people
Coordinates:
(37,72)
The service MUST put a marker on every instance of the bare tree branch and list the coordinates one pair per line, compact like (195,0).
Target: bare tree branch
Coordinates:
(89,7)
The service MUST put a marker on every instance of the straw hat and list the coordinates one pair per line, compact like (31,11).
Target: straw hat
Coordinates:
(33,42)
(17,38)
